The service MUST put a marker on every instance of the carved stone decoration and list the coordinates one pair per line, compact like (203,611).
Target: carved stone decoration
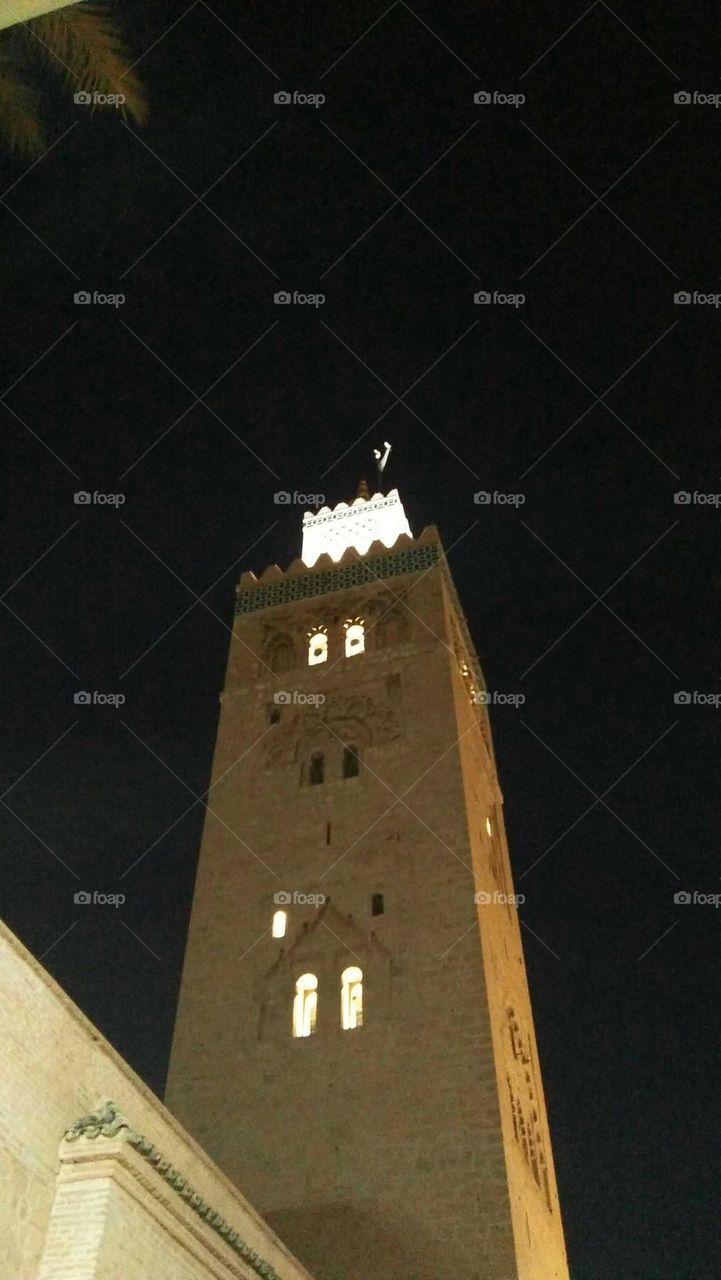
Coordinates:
(107,1122)
(279,653)
(353,573)
(280,745)
(386,618)
(376,713)
(323,946)
(523,1097)
(469,668)
(362,718)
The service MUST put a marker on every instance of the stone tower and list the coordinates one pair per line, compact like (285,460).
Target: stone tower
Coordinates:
(354,1042)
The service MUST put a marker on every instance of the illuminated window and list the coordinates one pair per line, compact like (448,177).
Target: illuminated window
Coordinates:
(305,1005)
(351,998)
(354,638)
(489,827)
(351,762)
(279,919)
(317,648)
(316,769)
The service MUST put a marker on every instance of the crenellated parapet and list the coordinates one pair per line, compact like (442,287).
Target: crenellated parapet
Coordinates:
(276,586)
(379,517)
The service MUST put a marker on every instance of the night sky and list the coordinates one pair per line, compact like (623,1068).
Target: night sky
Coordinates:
(198,397)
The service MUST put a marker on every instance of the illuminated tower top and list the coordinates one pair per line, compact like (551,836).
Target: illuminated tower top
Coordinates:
(332,531)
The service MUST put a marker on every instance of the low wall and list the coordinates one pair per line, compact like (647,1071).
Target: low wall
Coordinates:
(97,1179)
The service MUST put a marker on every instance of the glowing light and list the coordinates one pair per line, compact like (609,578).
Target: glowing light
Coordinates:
(351,998)
(317,648)
(332,531)
(305,1005)
(354,638)
(279,920)
(489,826)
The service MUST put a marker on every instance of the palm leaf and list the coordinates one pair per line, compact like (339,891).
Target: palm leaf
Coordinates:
(20,127)
(85,45)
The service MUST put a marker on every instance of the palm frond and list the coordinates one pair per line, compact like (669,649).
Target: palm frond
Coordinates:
(20,126)
(84,44)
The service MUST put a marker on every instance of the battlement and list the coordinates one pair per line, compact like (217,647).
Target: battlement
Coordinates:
(276,586)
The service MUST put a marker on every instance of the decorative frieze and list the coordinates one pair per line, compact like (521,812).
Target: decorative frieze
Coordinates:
(355,573)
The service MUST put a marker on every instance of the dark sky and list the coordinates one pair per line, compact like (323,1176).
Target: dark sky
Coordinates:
(198,398)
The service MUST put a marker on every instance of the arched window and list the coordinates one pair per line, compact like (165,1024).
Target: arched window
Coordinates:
(354,638)
(351,762)
(316,769)
(351,998)
(390,628)
(317,648)
(281,657)
(279,922)
(305,1005)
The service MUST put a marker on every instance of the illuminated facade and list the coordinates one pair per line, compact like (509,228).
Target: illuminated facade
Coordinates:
(368,1072)
(331,531)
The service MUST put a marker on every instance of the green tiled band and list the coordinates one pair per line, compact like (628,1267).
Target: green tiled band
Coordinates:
(355,574)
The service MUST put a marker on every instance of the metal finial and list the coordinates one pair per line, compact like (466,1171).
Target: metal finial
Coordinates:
(382,458)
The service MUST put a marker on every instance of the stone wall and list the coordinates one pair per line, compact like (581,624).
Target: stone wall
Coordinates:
(128,1199)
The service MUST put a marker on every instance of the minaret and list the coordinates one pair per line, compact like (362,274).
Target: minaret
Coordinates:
(354,1042)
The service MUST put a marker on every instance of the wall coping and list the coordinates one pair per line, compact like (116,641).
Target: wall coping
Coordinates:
(215,1175)
(108,1122)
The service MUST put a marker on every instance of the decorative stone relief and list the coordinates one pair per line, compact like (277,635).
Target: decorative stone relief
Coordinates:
(107,1122)
(364,718)
(323,946)
(524,1103)
(354,573)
